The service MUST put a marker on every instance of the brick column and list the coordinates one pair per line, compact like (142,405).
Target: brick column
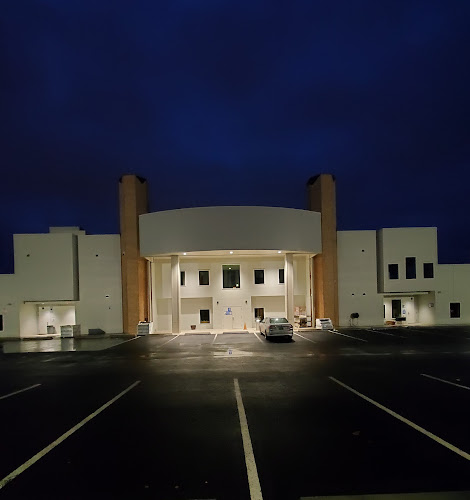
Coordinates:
(322,198)
(133,201)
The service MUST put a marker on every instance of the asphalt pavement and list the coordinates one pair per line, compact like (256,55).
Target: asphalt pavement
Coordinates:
(233,416)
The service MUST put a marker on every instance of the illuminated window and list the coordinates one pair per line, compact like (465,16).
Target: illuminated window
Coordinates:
(428,270)
(203,277)
(259,276)
(204,315)
(454,309)
(231,276)
(393,271)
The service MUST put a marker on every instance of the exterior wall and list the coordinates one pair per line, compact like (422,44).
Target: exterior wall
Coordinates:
(357,278)
(28,319)
(395,244)
(9,305)
(229,228)
(52,315)
(100,305)
(45,268)
(453,286)
(242,301)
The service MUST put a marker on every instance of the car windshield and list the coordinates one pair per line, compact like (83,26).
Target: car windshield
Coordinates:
(278,320)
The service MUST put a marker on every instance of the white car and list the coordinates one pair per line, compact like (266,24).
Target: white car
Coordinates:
(276,327)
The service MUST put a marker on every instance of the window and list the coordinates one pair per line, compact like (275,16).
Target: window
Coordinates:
(396,308)
(393,271)
(410,266)
(1,322)
(281,276)
(203,277)
(259,276)
(259,313)
(231,276)
(183,278)
(455,310)
(204,316)
(428,270)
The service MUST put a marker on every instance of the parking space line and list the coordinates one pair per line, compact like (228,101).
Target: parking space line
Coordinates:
(298,334)
(416,427)
(446,381)
(252,471)
(344,335)
(257,337)
(19,391)
(385,333)
(161,345)
(123,342)
(215,336)
(62,438)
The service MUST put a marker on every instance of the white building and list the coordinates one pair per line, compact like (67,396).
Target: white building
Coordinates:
(221,268)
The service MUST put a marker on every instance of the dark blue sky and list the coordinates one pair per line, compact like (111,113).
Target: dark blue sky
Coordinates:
(220,103)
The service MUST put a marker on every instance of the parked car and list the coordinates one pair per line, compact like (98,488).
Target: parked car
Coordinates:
(276,327)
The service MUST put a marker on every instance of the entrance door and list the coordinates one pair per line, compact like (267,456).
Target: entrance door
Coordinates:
(396,308)
(233,318)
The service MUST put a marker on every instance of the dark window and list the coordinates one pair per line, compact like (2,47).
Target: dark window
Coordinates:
(1,322)
(203,277)
(204,316)
(183,278)
(231,276)
(259,276)
(396,308)
(410,268)
(455,309)
(259,313)
(393,271)
(281,276)
(428,270)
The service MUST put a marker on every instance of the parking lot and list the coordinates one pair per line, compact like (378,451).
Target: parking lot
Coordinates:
(233,416)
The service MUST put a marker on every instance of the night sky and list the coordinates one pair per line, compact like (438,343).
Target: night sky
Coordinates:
(235,103)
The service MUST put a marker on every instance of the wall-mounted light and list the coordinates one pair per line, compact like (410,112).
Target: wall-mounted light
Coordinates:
(231,252)
(107,296)
(278,251)
(184,253)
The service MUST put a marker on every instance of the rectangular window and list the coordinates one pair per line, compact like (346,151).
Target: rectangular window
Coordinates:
(259,313)
(410,266)
(183,278)
(204,316)
(231,276)
(1,322)
(259,276)
(281,276)
(396,308)
(428,270)
(203,277)
(393,271)
(455,310)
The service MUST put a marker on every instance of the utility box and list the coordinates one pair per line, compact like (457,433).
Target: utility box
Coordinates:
(323,324)
(69,331)
(144,328)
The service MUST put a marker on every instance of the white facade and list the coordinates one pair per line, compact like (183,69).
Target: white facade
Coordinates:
(394,273)
(62,277)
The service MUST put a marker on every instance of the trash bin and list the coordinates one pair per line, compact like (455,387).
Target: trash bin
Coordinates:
(50,329)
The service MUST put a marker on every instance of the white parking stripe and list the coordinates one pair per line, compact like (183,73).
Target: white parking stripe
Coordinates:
(123,342)
(344,335)
(62,438)
(298,334)
(161,345)
(385,333)
(252,471)
(215,336)
(18,392)
(416,427)
(257,337)
(446,381)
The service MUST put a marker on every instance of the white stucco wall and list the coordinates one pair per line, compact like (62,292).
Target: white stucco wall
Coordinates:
(229,228)
(52,315)
(357,278)
(100,305)
(45,267)
(9,305)
(453,285)
(395,244)
(270,295)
